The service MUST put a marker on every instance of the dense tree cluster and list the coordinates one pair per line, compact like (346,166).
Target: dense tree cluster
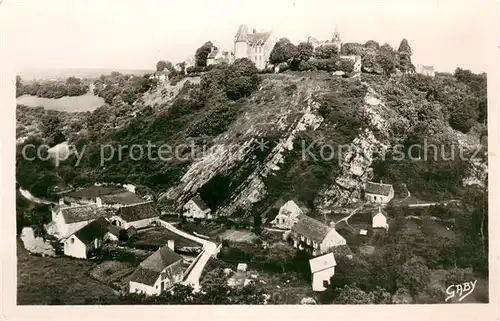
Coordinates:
(51,89)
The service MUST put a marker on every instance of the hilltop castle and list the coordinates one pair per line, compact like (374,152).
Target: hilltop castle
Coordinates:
(336,41)
(255,46)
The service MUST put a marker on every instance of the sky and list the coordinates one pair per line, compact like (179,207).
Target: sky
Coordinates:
(135,34)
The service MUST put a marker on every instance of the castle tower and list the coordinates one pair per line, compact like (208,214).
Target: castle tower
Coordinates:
(240,42)
(336,39)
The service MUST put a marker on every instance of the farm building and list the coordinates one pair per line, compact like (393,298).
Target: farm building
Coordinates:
(379,219)
(322,269)
(287,215)
(90,237)
(157,273)
(68,219)
(196,208)
(136,215)
(106,196)
(379,192)
(314,235)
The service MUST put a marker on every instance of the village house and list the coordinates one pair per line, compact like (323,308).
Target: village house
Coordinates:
(255,46)
(88,238)
(157,273)
(219,56)
(287,215)
(336,41)
(311,234)
(356,60)
(196,208)
(322,269)
(379,219)
(425,70)
(137,215)
(68,219)
(379,192)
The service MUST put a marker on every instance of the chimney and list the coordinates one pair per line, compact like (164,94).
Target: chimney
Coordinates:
(171,245)
(380,181)
(98,201)
(254,31)
(61,201)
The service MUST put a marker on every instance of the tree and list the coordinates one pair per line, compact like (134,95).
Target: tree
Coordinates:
(326,51)
(404,53)
(414,275)
(161,65)
(352,48)
(282,51)
(305,51)
(372,44)
(351,294)
(50,124)
(257,222)
(242,78)
(202,53)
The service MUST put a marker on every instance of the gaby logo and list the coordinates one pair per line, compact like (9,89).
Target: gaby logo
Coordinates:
(460,290)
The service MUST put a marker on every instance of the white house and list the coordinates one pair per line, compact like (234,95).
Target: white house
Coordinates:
(287,215)
(69,219)
(319,238)
(196,208)
(425,70)
(136,215)
(379,219)
(90,237)
(157,273)
(355,59)
(322,269)
(219,56)
(379,192)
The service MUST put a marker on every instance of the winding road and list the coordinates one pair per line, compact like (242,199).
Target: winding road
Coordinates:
(26,194)
(209,249)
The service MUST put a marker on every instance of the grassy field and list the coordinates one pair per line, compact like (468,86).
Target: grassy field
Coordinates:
(113,273)
(159,236)
(238,236)
(45,280)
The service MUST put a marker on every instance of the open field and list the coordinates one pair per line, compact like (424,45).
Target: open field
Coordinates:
(46,280)
(113,273)
(238,236)
(159,236)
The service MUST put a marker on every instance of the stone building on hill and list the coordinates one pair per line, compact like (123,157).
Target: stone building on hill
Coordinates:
(379,192)
(425,70)
(219,56)
(68,219)
(137,215)
(255,46)
(311,234)
(196,208)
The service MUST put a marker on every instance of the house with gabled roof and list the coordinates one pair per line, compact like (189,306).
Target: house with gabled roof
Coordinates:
(90,237)
(379,219)
(69,219)
(137,215)
(217,56)
(196,208)
(158,273)
(379,192)
(311,234)
(322,269)
(425,70)
(287,215)
(105,196)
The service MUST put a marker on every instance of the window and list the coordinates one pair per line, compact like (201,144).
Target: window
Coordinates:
(255,59)
(72,240)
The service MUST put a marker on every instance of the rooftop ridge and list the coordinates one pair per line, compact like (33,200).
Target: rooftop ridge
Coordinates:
(145,202)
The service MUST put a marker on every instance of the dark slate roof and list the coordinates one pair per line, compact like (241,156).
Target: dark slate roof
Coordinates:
(113,229)
(93,230)
(125,198)
(258,37)
(149,270)
(311,228)
(377,210)
(201,204)
(95,191)
(131,231)
(81,213)
(241,35)
(138,212)
(378,188)
(213,54)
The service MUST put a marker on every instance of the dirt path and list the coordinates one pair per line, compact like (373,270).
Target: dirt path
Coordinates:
(33,198)
(209,249)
